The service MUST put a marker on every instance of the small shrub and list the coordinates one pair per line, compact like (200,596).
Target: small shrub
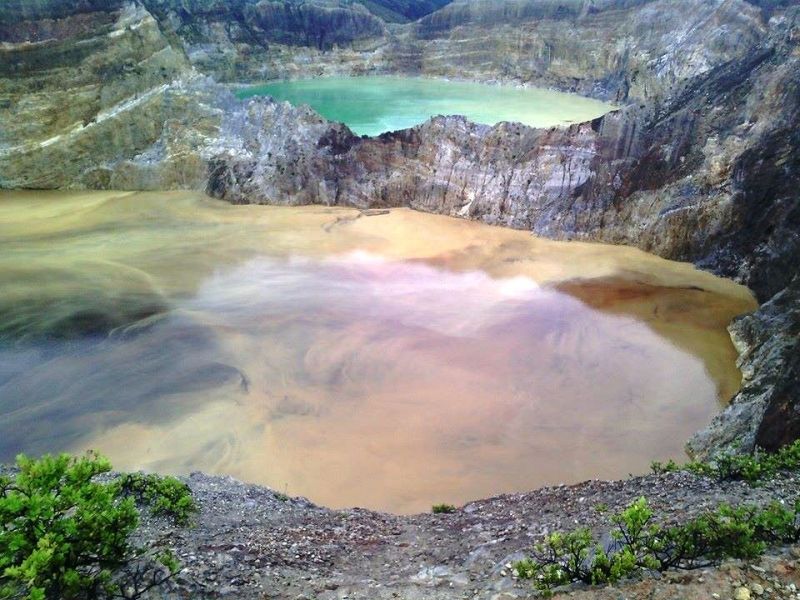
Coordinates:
(752,468)
(658,468)
(709,539)
(439,509)
(639,545)
(164,496)
(777,524)
(735,467)
(65,535)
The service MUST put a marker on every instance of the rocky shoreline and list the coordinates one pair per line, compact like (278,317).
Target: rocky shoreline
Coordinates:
(252,542)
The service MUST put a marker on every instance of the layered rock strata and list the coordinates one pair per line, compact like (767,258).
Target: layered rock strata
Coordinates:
(82,87)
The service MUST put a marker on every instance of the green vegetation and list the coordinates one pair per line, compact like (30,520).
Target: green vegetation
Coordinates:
(638,544)
(165,496)
(739,467)
(65,532)
(440,509)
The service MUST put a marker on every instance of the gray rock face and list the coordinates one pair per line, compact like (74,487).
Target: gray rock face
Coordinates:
(765,412)
(88,87)
(232,39)
(615,49)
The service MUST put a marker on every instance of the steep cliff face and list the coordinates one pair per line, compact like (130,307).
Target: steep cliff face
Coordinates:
(402,11)
(765,413)
(229,38)
(607,48)
(639,49)
(85,83)
(92,82)
(615,49)
(236,40)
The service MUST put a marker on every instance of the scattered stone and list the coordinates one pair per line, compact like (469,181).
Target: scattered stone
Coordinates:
(297,548)
(741,593)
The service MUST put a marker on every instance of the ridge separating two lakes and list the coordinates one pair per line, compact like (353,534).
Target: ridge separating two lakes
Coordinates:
(372,105)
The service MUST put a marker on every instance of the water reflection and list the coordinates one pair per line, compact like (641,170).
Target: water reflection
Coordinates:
(315,350)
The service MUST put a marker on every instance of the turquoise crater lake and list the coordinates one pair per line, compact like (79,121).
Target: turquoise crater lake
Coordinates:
(374,105)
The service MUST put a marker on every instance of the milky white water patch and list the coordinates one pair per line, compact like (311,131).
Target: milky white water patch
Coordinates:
(364,285)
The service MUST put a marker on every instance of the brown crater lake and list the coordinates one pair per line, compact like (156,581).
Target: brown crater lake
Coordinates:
(391,360)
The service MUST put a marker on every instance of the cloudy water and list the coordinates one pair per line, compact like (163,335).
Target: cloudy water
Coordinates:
(391,360)
(374,105)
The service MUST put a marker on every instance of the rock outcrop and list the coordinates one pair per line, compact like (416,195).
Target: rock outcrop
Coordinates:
(765,413)
(79,88)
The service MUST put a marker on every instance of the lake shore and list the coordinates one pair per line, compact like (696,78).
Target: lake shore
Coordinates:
(253,542)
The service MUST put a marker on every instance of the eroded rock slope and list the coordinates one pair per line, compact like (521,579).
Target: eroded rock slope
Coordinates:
(250,542)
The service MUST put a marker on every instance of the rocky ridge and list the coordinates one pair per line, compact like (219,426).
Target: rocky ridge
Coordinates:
(252,542)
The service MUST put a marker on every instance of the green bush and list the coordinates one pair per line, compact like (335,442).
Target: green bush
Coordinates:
(66,535)
(439,509)
(659,468)
(638,545)
(165,496)
(752,468)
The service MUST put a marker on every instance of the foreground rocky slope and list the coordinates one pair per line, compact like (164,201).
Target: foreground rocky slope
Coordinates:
(700,163)
(251,542)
